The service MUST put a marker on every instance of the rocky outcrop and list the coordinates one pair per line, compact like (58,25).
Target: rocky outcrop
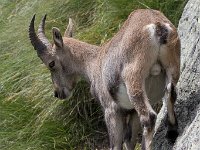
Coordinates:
(187,107)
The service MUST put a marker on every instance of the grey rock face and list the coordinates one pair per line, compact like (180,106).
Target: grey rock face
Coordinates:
(188,103)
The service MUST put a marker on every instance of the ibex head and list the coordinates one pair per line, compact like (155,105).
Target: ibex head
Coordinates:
(53,57)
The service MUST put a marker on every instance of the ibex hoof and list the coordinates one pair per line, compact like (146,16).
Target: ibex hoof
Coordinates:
(172,135)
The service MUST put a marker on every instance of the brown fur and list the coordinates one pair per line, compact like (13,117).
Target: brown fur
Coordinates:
(127,60)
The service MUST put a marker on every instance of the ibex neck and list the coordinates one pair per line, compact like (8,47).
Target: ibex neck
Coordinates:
(83,55)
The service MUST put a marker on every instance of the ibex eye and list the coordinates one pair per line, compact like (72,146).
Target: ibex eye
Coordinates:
(52,64)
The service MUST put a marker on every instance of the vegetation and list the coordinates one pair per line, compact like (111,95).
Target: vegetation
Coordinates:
(30,117)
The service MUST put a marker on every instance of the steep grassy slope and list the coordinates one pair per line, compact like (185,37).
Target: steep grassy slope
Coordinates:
(30,118)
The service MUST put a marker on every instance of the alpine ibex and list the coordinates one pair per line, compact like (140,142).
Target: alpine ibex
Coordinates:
(135,68)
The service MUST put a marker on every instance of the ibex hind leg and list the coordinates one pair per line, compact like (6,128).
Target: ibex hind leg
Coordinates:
(139,100)
(170,60)
(171,120)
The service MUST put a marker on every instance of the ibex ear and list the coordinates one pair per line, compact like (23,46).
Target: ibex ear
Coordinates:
(57,37)
(69,32)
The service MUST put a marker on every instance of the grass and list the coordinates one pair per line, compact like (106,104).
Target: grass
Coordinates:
(30,118)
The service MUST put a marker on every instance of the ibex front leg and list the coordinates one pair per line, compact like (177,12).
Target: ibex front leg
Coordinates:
(114,122)
(135,128)
(134,82)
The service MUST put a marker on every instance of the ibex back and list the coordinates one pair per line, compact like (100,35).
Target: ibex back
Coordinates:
(135,68)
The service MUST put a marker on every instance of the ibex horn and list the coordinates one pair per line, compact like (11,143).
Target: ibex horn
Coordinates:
(41,33)
(38,44)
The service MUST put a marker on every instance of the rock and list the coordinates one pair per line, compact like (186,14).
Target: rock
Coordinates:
(187,107)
